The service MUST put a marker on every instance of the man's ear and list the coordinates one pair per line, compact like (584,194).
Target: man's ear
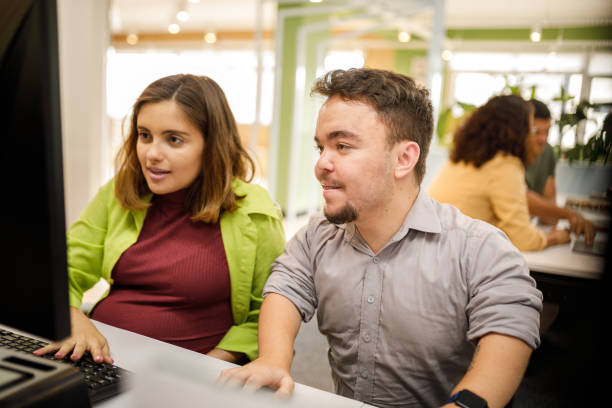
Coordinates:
(407,155)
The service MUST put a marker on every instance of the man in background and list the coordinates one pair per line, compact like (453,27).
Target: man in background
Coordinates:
(540,178)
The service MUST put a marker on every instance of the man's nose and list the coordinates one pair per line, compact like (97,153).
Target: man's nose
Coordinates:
(325,162)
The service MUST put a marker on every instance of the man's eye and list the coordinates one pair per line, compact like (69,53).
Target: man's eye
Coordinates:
(319,149)
(343,147)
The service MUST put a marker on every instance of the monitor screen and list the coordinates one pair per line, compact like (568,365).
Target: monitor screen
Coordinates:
(34,284)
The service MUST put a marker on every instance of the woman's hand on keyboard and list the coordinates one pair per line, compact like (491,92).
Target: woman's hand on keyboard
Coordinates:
(85,337)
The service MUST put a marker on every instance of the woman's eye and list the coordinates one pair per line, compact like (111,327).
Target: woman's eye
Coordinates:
(143,135)
(175,140)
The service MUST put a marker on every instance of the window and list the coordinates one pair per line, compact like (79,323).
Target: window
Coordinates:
(128,73)
(476,76)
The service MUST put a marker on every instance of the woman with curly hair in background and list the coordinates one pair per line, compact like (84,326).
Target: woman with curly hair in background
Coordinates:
(485,176)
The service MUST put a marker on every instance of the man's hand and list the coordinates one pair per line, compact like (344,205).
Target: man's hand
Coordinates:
(259,373)
(579,225)
(85,337)
(279,322)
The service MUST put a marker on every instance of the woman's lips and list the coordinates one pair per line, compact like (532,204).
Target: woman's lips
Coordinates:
(157,174)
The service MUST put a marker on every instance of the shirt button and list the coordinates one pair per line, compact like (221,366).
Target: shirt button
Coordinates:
(364,374)
(370,299)
(376,260)
(366,338)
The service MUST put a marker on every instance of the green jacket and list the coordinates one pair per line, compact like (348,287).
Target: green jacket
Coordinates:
(253,237)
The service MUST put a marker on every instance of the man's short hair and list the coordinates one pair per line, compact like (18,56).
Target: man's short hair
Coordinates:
(540,110)
(402,105)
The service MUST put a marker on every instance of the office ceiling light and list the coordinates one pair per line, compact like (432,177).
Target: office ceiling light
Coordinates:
(403,36)
(174,28)
(194,1)
(316,1)
(536,34)
(132,39)
(447,55)
(210,37)
(182,16)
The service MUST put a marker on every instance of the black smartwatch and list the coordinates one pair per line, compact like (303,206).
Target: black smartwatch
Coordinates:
(467,399)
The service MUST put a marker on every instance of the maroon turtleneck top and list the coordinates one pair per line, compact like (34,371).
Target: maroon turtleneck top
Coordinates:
(173,284)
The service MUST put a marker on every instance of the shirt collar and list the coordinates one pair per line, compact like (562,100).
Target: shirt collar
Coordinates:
(421,217)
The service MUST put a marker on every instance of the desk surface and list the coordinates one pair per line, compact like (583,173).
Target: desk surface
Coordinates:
(561,260)
(170,376)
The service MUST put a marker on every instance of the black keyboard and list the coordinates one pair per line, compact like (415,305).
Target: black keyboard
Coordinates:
(103,380)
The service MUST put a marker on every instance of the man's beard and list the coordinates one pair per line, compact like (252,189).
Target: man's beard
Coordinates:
(348,213)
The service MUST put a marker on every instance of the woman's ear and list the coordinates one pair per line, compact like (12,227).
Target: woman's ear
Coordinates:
(407,155)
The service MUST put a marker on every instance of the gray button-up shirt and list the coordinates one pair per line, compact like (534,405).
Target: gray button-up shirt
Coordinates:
(401,324)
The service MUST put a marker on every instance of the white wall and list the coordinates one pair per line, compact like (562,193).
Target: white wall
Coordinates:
(84,37)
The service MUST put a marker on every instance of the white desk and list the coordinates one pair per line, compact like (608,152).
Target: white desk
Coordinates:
(170,376)
(561,260)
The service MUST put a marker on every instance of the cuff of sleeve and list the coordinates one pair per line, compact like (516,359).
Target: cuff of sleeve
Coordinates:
(75,300)
(544,240)
(241,339)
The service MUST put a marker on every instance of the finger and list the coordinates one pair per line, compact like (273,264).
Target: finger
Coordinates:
(233,377)
(579,228)
(49,348)
(96,353)
(106,353)
(224,376)
(589,234)
(65,349)
(286,387)
(252,384)
(574,223)
(78,351)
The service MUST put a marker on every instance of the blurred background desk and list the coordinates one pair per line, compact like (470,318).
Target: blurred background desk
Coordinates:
(562,274)
(170,376)
(562,261)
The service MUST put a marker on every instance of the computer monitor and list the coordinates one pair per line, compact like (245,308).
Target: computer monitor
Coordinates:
(34,283)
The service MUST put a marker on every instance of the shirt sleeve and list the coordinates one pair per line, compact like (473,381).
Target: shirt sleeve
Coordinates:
(85,246)
(508,195)
(503,297)
(292,273)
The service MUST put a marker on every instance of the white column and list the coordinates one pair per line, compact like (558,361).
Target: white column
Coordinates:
(84,38)
(434,60)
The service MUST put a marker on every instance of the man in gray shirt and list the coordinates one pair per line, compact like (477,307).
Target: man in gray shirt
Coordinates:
(418,301)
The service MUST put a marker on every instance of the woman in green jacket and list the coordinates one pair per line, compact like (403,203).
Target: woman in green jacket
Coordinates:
(182,237)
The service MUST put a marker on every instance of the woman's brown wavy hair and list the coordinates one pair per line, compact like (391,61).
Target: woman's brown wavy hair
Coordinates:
(223,158)
(500,125)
